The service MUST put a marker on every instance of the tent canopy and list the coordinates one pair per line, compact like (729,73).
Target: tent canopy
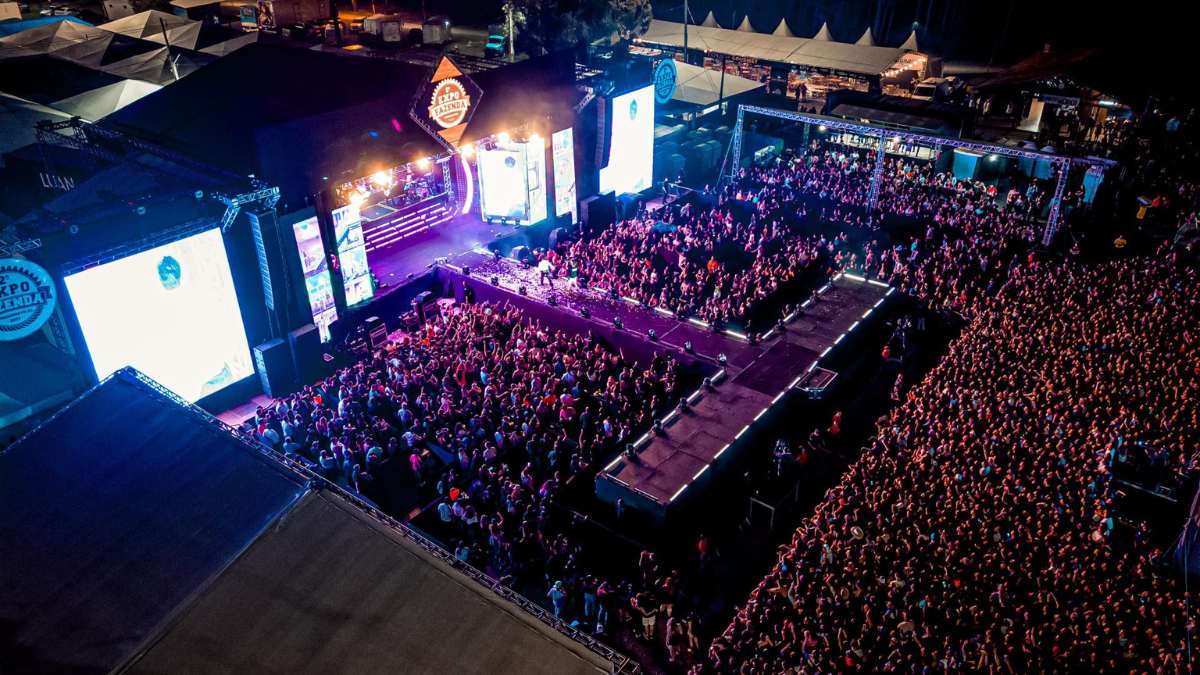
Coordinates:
(701,86)
(813,53)
(157,27)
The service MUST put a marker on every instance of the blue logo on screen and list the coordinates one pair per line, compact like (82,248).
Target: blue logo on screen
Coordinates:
(169,272)
(633,109)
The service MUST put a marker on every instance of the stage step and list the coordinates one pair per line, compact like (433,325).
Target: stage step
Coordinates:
(414,224)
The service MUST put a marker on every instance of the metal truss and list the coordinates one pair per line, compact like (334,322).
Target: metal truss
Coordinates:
(267,196)
(1061,164)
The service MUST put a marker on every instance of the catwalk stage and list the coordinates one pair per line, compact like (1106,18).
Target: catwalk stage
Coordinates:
(749,381)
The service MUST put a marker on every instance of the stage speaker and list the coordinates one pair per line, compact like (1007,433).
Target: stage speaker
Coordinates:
(627,206)
(305,342)
(598,212)
(265,229)
(377,331)
(273,362)
(521,253)
(555,234)
(418,305)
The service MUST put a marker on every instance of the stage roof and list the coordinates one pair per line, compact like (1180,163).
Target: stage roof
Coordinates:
(111,514)
(303,119)
(329,590)
(806,52)
(141,535)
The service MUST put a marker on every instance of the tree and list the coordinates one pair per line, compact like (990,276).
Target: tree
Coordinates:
(548,25)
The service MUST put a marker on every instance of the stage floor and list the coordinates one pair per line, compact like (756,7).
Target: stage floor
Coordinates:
(415,255)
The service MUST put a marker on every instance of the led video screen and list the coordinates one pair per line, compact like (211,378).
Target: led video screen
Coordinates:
(631,151)
(503,184)
(316,275)
(563,144)
(171,312)
(352,254)
(535,160)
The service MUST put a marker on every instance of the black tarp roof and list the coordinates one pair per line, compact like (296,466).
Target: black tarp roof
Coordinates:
(111,514)
(329,591)
(137,534)
(302,119)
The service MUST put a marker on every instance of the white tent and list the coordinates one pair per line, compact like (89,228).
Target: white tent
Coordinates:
(745,25)
(867,40)
(859,59)
(228,46)
(151,25)
(98,103)
(910,45)
(823,34)
(782,29)
(702,86)
(710,21)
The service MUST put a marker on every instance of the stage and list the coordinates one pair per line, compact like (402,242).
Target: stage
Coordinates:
(679,461)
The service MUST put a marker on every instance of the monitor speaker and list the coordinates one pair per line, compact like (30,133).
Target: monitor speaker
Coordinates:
(418,305)
(305,342)
(272,360)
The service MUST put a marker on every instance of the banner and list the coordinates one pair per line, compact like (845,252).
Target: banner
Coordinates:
(444,106)
(26,298)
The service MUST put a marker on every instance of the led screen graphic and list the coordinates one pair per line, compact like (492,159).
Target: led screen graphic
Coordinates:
(503,184)
(171,312)
(631,154)
(352,254)
(316,275)
(535,160)
(563,144)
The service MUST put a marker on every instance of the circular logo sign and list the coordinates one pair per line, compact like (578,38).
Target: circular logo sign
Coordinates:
(26,298)
(664,81)
(633,109)
(449,103)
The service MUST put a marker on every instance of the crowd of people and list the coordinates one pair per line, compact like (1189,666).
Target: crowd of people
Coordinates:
(755,238)
(977,532)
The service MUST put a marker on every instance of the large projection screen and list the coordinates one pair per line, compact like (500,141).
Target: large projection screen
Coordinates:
(631,151)
(171,312)
(503,183)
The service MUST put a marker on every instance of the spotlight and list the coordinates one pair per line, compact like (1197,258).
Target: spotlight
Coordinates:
(535,138)
(722,359)
(652,334)
(521,290)
(356,198)
(585,313)
(423,163)
(687,346)
(618,323)
(495,280)
(503,137)
(821,128)
(468,150)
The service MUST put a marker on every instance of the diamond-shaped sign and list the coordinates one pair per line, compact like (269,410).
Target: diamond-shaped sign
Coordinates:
(445,104)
